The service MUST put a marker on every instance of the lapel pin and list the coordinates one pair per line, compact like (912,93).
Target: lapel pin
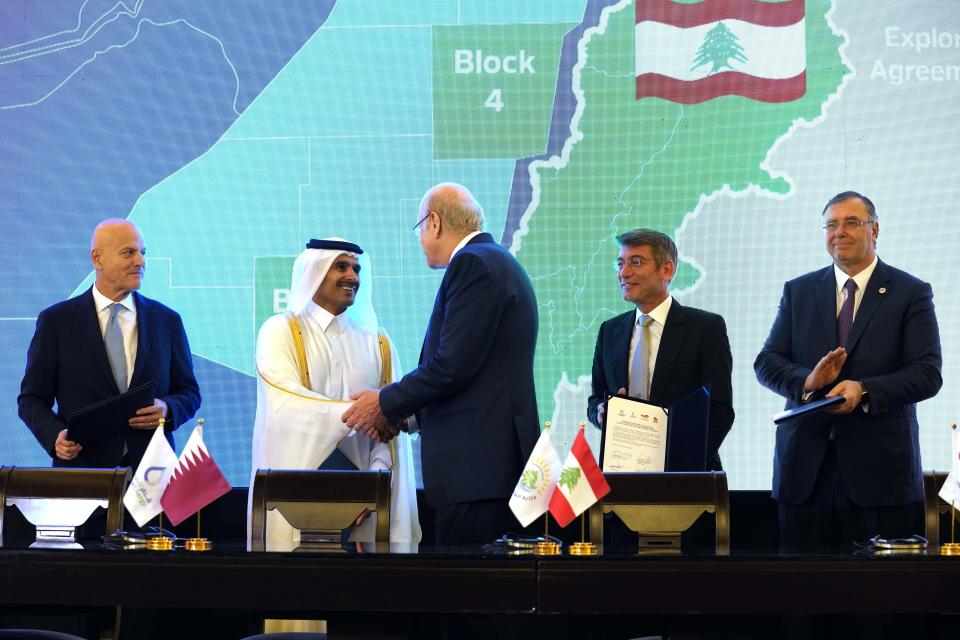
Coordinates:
(883,290)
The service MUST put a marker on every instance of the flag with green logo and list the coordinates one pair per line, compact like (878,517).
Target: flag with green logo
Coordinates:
(531,496)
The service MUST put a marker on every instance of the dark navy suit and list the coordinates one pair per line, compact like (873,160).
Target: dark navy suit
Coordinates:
(473,391)
(893,349)
(694,351)
(67,363)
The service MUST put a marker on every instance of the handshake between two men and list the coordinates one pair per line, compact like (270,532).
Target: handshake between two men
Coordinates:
(365,417)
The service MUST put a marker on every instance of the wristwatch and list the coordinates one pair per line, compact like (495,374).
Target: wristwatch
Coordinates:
(864,394)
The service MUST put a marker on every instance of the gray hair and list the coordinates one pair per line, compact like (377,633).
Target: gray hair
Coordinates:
(843,196)
(661,246)
(457,207)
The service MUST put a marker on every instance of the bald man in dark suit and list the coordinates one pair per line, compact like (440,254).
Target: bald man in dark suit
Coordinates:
(69,361)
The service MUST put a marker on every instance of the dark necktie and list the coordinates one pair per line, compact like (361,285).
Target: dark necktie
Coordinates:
(845,318)
(113,339)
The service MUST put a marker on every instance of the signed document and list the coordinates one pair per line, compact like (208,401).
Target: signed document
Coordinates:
(635,436)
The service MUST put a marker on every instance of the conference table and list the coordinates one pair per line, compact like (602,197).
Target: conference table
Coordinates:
(481,580)
(229,577)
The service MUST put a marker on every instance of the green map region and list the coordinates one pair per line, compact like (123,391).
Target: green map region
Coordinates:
(641,163)
(493,89)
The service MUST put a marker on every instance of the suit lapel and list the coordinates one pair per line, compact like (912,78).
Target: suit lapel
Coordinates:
(674,333)
(826,295)
(872,298)
(622,333)
(90,330)
(144,325)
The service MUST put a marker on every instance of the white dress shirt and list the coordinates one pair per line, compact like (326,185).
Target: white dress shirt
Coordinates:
(127,318)
(659,316)
(467,238)
(861,279)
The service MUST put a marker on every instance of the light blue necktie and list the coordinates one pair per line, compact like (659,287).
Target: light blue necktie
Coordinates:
(113,339)
(640,371)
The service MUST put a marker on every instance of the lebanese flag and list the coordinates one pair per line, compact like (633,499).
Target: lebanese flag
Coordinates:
(195,483)
(692,53)
(581,483)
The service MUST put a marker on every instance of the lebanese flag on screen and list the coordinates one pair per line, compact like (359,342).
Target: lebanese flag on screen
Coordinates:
(692,53)
(581,483)
(196,481)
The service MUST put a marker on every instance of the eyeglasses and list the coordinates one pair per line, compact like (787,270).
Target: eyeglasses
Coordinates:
(416,227)
(850,224)
(634,261)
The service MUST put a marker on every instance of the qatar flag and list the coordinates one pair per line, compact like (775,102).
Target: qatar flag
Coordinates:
(195,483)
(692,53)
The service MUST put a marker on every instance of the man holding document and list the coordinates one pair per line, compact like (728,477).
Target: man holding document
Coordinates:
(867,332)
(661,351)
(96,346)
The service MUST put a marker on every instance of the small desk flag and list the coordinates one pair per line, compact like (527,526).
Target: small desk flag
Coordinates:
(531,496)
(581,483)
(950,491)
(196,482)
(142,498)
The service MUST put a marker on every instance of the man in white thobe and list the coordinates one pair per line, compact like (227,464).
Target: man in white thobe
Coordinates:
(298,426)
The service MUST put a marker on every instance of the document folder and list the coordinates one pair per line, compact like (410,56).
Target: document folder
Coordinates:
(807,408)
(109,417)
(687,433)
(685,446)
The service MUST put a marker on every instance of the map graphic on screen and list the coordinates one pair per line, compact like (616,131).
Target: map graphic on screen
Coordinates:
(231,133)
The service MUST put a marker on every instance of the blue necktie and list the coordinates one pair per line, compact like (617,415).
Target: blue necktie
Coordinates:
(845,317)
(113,339)
(640,371)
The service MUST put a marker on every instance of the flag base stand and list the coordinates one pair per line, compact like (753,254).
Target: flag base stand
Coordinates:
(950,549)
(547,548)
(584,549)
(160,543)
(197,544)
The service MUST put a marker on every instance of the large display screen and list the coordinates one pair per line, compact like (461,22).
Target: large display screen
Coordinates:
(232,132)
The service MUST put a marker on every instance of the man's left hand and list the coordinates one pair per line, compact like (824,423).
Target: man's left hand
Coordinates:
(366,417)
(149,417)
(851,390)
